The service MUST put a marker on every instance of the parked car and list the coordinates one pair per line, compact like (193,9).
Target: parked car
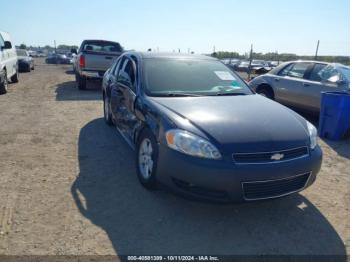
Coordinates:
(25,61)
(93,59)
(8,62)
(272,64)
(242,66)
(300,83)
(233,64)
(58,59)
(199,129)
(256,66)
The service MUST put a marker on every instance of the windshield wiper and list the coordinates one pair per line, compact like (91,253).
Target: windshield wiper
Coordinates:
(230,94)
(177,94)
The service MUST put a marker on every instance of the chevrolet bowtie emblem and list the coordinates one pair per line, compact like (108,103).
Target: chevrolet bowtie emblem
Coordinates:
(277,156)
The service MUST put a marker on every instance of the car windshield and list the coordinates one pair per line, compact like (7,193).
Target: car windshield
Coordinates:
(165,77)
(102,46)
(345,72)
(21,52)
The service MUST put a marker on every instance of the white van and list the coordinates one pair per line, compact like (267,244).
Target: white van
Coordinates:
(8,62)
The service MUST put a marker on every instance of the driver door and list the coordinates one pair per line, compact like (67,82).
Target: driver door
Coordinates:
(123,95)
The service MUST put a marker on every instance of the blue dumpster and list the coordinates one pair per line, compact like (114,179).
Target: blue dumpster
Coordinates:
(335,115)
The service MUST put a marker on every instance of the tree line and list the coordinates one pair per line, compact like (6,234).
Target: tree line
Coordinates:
(48,47)
(272,56)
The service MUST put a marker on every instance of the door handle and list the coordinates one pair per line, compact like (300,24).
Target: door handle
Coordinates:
(277,79)
(306,84)
(108,57)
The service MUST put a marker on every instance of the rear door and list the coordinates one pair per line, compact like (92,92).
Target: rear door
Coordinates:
(289,83)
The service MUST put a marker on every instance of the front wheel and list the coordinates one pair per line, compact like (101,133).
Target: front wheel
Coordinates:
(146,159)
(266,92)
(14,78)
(3,85)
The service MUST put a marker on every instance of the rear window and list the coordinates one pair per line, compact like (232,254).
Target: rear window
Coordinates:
(99,46)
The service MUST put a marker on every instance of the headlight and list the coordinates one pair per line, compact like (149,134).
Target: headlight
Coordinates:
(313,134)
(191,144)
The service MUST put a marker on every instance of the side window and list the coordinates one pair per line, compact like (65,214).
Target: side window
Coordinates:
(286,70)
(116,66)
(315,72)
(330,74)
(298,70)
(128,68)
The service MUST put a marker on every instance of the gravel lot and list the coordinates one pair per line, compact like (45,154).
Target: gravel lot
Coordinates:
(68,186)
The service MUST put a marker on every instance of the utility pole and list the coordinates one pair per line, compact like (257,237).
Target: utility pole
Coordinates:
(318,44)
(250,61)
(54,43)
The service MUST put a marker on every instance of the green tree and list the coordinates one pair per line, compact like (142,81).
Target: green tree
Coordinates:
(23,46)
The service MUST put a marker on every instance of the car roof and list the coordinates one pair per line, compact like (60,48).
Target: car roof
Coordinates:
(149,55)
(319,62)
(99,40)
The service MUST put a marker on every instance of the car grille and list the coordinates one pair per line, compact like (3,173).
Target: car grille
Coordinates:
(274,188)
(268,157)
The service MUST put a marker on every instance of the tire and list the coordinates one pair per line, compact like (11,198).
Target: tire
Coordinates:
(107,111)
(146,159)
(33,66)
(4,84)
(14,78)
(81,82)
(28,68)
(266,92)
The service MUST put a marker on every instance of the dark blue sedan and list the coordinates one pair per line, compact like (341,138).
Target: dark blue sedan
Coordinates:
(197,128)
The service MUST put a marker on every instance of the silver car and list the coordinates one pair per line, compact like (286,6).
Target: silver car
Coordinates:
(300,83)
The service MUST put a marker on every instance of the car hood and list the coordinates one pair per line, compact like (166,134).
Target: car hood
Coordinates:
(249,123)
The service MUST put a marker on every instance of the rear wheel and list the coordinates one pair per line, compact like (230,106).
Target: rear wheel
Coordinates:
(146,159)
(4,84)
(14,78)
(81,81)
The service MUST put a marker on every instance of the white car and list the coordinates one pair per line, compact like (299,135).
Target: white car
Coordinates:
(8,62)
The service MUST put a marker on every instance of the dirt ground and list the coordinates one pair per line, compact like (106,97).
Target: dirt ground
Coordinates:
(68,187)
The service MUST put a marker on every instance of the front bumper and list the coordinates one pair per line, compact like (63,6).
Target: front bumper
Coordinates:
(222,180)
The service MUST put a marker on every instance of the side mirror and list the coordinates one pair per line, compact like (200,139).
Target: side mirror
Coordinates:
(7,45)
(74,51)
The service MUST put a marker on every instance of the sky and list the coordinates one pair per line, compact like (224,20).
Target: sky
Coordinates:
(196,25)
